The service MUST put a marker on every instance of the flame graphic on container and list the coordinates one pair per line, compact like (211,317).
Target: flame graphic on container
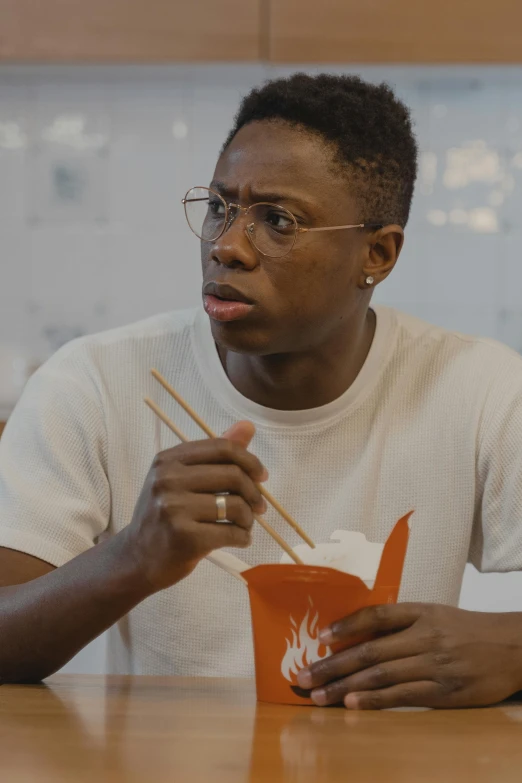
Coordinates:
(304,648)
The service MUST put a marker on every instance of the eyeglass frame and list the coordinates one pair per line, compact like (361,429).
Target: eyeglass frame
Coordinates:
(227,222)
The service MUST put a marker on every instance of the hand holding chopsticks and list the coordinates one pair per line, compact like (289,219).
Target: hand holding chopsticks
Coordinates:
(264,524)
(267,495)
(206,429)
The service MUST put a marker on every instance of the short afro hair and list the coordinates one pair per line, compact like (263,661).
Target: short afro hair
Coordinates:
(368,126)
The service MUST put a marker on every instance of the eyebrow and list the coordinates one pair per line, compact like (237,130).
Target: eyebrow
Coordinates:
(263,195)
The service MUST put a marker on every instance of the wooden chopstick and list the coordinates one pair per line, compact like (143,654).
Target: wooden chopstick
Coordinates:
(264,524)
(206,429)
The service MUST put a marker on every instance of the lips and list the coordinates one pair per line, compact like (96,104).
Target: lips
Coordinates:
(226,292)
(225,303)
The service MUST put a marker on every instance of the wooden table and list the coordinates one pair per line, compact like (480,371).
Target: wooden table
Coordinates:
(154,730)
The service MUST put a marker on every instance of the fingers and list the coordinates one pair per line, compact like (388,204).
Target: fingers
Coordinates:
(241,432)
(360,657)
(198,539)
(211,452)
(193,520)
(218,536)
(412,694)
(378,677)
(371,621)
(224,478)
(202,508)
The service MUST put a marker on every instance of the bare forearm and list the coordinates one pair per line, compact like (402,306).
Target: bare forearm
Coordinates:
(45,622)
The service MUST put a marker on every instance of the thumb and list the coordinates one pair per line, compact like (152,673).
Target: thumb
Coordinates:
(241,432)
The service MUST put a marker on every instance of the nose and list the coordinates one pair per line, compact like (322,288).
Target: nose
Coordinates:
(233,248)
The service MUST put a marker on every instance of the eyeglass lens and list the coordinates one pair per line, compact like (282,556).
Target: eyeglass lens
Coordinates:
(271,228)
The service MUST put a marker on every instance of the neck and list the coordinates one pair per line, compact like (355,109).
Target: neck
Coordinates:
(307,379)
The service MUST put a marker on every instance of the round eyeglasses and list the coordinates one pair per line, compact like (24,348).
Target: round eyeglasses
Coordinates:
(271,229)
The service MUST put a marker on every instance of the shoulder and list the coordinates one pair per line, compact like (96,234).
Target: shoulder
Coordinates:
(474,378)
(113,365)
(455,351)
(126,346)
(166,326)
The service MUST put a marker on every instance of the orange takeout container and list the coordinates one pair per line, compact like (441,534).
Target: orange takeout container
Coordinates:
(290,604)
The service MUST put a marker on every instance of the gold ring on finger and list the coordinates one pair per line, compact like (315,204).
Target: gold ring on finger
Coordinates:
(221,508)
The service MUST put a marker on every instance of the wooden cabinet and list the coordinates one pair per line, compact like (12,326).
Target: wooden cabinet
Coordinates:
(129,30)
(395,31)
(280,31)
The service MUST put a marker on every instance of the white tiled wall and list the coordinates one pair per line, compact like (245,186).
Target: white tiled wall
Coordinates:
(94,162)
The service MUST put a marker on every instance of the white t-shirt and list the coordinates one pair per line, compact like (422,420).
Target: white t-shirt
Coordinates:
(433,423)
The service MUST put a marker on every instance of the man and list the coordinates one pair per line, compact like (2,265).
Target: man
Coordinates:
(357,414)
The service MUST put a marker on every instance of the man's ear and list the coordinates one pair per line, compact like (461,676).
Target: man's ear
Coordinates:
(384,247)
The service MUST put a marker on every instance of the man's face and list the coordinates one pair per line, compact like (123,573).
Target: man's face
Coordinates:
(301,298)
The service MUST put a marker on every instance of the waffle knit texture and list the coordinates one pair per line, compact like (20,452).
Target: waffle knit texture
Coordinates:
(432,423)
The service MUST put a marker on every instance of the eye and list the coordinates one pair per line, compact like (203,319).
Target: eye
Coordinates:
(216,207)
(281,221)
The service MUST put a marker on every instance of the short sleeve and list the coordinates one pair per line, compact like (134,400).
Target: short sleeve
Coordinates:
(54,491)
(496,544)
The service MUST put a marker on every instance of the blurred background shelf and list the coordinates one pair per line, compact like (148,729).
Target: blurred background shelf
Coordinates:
(129,30)
(402,31)
(278,31)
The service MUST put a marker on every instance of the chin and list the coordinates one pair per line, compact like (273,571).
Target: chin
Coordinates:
(239,337)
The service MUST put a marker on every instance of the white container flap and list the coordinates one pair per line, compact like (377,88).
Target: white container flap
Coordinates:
(349,552)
